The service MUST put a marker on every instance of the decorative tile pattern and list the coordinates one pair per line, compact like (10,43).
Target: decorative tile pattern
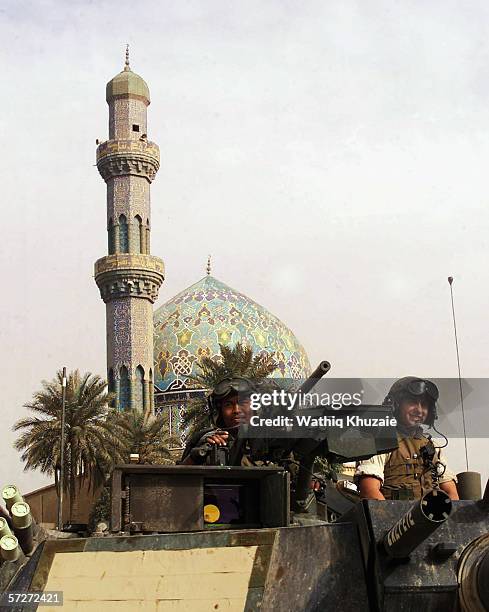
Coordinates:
(129,196)
(142,334)
(129,335)
(123,157)
(123,114)
(194,322)
(118,334)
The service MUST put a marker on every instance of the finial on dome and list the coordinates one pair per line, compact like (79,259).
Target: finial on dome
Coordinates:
(208,267)
(126,67)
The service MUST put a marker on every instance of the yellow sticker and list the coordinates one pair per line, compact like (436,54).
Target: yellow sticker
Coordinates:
(211,513)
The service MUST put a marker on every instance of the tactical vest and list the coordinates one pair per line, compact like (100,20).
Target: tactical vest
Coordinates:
(405,475)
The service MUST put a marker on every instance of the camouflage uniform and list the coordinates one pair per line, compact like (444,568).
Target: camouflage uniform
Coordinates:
(402,472)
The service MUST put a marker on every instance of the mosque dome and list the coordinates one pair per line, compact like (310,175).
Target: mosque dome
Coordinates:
(127,83)
(193,324)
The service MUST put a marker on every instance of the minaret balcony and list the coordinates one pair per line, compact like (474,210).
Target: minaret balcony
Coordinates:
(128,157)
(129,275)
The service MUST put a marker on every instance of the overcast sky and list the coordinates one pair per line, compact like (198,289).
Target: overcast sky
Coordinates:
(331,156)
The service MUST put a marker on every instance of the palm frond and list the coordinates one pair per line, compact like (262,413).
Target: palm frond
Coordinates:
(233,361)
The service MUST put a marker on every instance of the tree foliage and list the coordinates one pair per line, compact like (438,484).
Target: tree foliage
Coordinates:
(144,434)
(93,444)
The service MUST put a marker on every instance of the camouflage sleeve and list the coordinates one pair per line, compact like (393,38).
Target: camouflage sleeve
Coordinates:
(448,474)
(192,442)
(371,467)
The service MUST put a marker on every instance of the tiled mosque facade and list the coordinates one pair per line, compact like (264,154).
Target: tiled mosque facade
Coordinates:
(193,324)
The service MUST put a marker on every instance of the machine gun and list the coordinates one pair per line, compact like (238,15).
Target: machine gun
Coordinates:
(335,444)
(210,454)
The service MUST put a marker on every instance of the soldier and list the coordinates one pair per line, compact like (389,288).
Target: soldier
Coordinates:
(229,405)
(418,464)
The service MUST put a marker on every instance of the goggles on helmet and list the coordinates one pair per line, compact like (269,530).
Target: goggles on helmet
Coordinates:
(423,387)
(228,385)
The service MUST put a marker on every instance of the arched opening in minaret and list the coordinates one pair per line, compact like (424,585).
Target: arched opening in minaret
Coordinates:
(123,235)
(138,235)
(111,385)
(146,242)
(111,381)
(139,389)
(124,391)
(111,237)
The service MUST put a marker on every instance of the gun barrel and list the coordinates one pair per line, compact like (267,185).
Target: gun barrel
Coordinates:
(323,368)
(422,519)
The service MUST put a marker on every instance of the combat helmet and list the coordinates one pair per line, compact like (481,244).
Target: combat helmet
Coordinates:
(231,385)
(411,387)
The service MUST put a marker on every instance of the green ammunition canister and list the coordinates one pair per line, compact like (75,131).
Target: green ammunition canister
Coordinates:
(22,523)
(4,527)
(9,548)
(21,515)
(11,495)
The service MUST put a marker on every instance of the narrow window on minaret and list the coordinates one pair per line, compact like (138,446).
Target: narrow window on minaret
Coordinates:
(135,127)
(138,242)
(139,390)
(111,381)
(111,237)
(146,244)
(123,235)
(111,386)
(124,389)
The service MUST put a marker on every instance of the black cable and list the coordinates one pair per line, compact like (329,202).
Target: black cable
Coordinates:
(442,435)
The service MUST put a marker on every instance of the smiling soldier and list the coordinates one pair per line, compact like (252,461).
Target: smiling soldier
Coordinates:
(418,464)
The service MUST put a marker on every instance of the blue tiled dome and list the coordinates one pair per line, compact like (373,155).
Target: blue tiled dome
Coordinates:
(193,324)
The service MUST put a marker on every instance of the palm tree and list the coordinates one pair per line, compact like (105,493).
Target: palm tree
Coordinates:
(92,443)
(237,361)
(144,434)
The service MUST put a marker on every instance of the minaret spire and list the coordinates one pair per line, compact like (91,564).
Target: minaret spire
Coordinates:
(208,267)
(127,67)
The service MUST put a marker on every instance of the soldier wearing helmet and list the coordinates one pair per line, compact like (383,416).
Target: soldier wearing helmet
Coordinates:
(418,464)
(229,407)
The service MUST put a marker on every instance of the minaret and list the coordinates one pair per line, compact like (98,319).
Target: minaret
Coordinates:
(129,277)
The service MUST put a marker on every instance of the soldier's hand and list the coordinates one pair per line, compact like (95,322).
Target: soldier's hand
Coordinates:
(220,438)
(315,484)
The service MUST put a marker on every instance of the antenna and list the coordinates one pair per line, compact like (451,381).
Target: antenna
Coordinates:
(62,450)
(450,282)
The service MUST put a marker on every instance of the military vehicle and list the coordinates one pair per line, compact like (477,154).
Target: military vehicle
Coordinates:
(222,537)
